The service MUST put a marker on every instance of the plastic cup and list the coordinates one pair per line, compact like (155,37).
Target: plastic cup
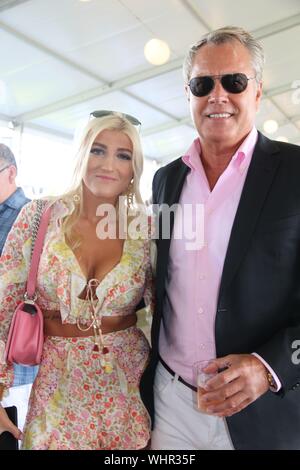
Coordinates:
(201,378)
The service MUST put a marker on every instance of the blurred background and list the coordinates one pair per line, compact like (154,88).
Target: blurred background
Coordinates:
(62,59)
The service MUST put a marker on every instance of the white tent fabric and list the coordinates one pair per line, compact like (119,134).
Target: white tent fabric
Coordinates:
(61,59)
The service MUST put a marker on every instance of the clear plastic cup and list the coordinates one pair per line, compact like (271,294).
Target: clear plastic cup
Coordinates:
(201,378)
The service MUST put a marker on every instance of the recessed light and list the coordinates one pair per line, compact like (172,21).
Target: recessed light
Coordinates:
(271,126)
(157,52)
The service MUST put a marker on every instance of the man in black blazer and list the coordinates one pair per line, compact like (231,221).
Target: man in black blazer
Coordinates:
(254,400)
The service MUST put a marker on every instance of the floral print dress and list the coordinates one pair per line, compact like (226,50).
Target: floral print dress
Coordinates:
(76,402)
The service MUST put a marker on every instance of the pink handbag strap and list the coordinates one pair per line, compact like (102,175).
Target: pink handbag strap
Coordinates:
(38,247)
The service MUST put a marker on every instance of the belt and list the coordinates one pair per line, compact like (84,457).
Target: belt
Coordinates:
(180,379)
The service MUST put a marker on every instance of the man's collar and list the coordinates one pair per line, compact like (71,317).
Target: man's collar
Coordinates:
(192,158)
(16,200)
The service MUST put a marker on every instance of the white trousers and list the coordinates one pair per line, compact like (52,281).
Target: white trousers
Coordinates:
(178,423)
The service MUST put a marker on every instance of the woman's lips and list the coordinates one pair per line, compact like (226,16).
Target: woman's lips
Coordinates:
(107,178)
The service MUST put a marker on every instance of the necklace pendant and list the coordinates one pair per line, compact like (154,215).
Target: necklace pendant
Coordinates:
(96,348)
(105,350)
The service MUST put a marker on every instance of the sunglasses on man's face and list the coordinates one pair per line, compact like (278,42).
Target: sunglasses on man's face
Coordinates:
(105,112)
(231,82)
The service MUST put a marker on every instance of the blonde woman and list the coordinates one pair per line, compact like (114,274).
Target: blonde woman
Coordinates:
(86,394)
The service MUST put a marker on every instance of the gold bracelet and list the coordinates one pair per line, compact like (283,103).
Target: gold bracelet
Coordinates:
(271,381)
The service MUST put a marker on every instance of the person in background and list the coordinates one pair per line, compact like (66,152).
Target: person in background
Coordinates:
(236,298)
(12,199)
(89,285)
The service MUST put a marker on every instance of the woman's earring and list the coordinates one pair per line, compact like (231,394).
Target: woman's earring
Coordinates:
(76,198)
(130,195)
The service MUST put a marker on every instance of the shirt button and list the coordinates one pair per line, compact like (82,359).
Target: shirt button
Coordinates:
(202,346)
(202,277)
(200,311)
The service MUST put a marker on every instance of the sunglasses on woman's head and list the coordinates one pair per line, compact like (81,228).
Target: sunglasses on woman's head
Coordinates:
(231,82)
(105,112)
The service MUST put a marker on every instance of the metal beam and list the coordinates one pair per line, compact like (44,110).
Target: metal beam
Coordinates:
(150,105)
(194,12)
(279,90)
(46,50)
(296,118)
(259,33)
(277,27)
(100,91)
(6,4)
(47,130)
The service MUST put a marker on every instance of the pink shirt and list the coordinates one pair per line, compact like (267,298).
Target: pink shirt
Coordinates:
(194,275)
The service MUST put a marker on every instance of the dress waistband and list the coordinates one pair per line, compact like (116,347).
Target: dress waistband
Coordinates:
(56,328)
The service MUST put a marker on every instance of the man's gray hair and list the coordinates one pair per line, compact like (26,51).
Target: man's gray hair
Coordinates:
(7,156)
(221,36)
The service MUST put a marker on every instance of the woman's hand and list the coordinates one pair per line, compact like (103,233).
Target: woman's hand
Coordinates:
(7,425)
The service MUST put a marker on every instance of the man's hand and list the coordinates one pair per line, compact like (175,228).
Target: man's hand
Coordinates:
(230,391)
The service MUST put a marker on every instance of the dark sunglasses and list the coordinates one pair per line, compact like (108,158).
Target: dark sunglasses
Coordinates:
(231,82)
(4,168)
(105,112)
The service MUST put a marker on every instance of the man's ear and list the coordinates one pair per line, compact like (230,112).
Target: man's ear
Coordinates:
(259,93)
(12,174)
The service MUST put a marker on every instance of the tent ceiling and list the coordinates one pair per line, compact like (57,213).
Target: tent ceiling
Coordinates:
(62,59)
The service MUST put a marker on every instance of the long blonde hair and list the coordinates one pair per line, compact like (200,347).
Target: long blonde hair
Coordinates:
(116,122)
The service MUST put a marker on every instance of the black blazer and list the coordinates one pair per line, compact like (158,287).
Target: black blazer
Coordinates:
(259,299)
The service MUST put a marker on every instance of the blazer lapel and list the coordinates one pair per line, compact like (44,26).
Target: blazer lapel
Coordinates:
(261,172)
(169,195)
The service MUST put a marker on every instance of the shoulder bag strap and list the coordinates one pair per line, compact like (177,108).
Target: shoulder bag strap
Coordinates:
(39,229)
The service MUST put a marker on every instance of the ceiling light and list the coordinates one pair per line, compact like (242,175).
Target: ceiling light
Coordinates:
(157,52)
(282,138)
(270,126)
